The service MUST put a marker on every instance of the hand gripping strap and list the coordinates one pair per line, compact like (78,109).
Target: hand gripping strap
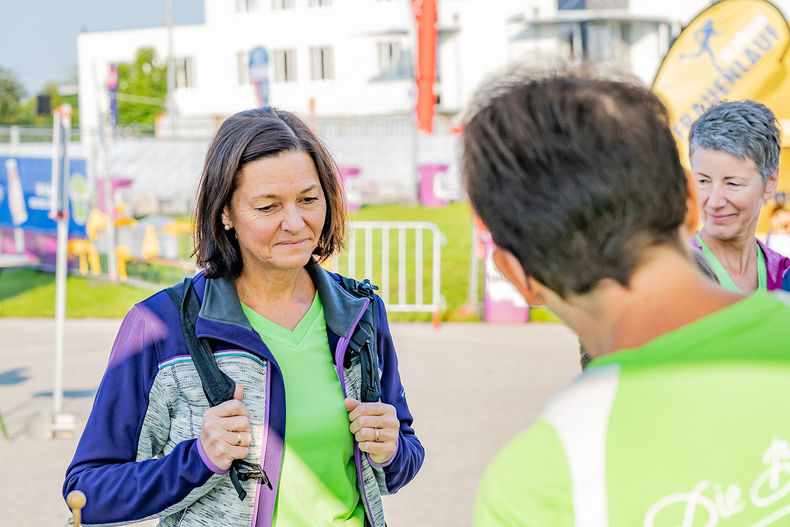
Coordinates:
(217,386)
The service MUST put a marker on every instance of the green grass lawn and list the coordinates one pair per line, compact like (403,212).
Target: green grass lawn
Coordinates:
(27,293)
(455,223)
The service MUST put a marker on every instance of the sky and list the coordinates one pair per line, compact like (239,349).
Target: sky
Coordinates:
(38,38)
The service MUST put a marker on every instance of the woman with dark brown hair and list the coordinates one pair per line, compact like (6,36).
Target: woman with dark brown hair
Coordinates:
(318,412)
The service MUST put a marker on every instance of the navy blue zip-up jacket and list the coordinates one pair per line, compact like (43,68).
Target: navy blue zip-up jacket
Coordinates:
(139,458)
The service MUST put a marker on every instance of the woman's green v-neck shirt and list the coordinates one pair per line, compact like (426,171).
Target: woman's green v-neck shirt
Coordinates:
(318,481)
(725,280)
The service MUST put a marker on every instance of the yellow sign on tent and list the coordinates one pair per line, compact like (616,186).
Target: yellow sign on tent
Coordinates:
(733,50)
(150,243)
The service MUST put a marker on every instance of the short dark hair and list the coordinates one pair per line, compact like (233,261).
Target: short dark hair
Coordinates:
(574,176)
(242,138)
(744,129)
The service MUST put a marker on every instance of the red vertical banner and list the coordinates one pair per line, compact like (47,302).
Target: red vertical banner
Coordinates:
(427,34)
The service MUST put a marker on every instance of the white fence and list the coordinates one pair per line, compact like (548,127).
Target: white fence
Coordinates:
(403,258)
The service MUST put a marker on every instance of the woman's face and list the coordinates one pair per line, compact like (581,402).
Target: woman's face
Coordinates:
(730,192)
(278,211)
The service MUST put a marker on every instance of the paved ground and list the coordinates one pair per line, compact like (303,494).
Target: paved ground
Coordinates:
(469,386)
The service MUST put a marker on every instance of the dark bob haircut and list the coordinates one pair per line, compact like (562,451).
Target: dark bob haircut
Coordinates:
(574,176)
(242,138)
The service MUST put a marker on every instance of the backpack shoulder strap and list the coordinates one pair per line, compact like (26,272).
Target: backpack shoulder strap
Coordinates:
(363,340)
(217,386)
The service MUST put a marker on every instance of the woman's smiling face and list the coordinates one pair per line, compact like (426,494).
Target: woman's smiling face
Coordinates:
(278,210)
(730,192)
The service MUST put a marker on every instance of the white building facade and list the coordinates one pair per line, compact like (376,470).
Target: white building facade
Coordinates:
(355,57)
(349,65)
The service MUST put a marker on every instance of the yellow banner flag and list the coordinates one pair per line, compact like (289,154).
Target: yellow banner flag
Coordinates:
(734,50)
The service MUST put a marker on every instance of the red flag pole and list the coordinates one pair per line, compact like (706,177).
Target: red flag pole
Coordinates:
(427,34)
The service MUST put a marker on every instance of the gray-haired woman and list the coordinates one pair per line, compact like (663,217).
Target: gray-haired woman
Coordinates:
(734,153)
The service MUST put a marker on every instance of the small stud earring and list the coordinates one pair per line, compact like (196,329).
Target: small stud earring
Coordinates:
(227,227)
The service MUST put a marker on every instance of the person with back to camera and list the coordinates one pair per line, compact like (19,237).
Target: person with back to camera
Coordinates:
(286,331)
(702,266)
(678,418)
(734,153)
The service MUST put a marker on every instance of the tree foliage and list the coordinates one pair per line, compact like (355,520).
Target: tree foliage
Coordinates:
(142,77)
(16,109)
(12,111)
(55,100)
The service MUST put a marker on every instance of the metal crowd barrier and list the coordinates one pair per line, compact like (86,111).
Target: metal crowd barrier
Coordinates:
(397,257)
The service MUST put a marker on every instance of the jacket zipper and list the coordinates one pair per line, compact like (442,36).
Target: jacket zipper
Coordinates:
(340,355)
(264,442)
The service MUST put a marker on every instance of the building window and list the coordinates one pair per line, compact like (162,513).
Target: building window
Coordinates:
(284,65)
(319,3)
(243,67)
(563,5)
(282,4)
(246,6)
(571,4)
(322,66)
(607,42)
(185,72)
(393,61)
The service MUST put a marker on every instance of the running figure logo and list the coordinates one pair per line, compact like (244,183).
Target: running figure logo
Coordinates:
(702,36)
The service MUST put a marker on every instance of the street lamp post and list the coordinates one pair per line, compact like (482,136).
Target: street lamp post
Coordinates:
(59,211)
(171,69)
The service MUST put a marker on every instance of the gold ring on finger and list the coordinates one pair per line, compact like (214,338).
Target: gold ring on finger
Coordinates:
(376,440)
(238,439)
